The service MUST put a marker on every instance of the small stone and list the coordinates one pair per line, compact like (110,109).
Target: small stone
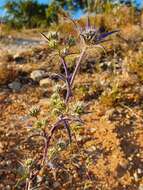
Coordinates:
(39,178)
(15,85)
(51,165)
(135,176)
(9,162)
(138,154)
(45,82)
(130,158)
(139,171)
(24,43)
(37,75)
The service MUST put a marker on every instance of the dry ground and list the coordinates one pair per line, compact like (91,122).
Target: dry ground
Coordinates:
(107,151)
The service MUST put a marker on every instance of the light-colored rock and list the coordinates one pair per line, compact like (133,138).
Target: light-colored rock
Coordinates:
(45,82)
(37,75)
(136,176)
(15,85)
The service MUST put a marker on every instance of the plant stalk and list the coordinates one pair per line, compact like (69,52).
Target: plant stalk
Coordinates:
(77,65)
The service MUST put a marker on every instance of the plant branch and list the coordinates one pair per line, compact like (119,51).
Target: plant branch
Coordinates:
(77,65)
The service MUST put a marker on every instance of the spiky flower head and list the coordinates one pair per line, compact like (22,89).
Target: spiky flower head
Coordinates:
(79,108)
(93,36)
(52,38)
(34,111)
(41,124)
(28,162)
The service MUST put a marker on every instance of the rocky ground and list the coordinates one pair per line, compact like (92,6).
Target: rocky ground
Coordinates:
(106,152)
(12,44)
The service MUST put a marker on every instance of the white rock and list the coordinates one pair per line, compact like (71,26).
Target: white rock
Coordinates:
(139,171)
(37,75)
(136,176)
(39,178)
(15,85)
(45,82)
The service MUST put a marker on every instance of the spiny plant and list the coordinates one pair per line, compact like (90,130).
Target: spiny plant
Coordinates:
(62,107)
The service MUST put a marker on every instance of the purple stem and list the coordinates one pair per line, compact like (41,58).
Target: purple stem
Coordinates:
(77,66)
(54,128)
(67,79)
(46,138)
(88,24)
(65,66)
(69,91)
(66,125)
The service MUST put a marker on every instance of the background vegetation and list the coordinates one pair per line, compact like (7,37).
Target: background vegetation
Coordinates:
(32,14)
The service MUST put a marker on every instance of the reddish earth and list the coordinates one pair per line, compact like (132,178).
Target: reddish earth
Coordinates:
(107,151)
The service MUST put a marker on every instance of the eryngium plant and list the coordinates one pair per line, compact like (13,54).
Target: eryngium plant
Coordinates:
(92,35)
(89,36)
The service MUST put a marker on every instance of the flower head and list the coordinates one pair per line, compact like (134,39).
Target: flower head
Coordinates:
(93,36)
(52,38)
